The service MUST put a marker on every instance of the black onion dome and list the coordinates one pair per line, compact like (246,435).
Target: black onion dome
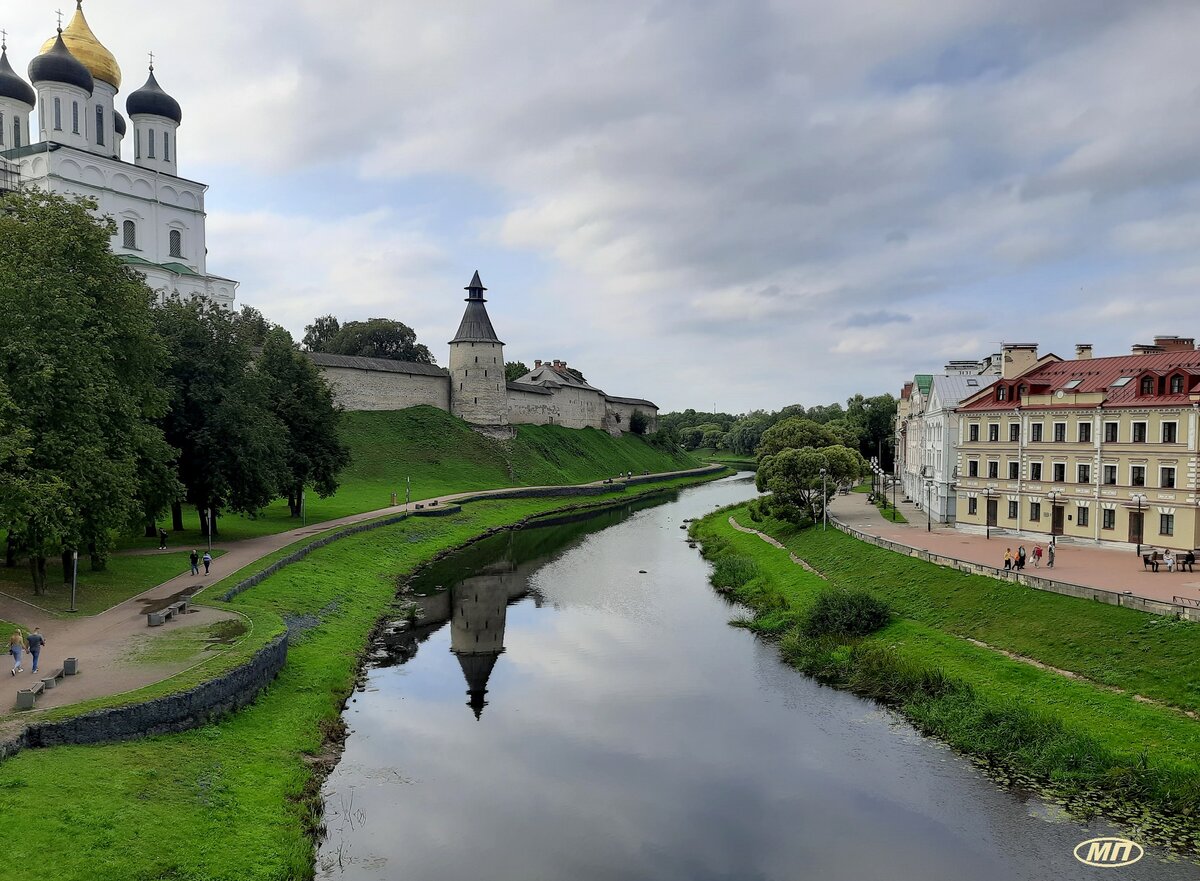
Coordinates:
(12,86)
(151,99)
(60,66)
(118,123)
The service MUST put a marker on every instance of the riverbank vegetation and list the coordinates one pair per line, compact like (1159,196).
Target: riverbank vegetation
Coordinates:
(1091,699)
(246,790)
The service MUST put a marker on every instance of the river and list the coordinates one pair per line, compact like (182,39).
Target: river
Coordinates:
(575,705)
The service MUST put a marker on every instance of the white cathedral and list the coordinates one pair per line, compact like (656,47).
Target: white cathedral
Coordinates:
(78,152)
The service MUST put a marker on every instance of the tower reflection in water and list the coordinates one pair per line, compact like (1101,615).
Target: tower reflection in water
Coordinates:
(478,606)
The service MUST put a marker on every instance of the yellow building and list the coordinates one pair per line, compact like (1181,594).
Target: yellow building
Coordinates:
(1097,449)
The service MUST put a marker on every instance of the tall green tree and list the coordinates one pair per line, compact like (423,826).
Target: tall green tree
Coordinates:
(514,370)
(378,338)
(81,368)
(303,403)
(797,488)
(874,419)
(319,334)
(232,446)
(794,433)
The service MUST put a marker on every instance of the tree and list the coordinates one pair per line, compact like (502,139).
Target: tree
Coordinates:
(639,422)
(80,381)
(714,438)
(874,419)
(233,448)
(514,370)
(303,404)
(794,434)
(319,334)
(846,434)
(746,434)
(378,338)
(793,478)
(252,326)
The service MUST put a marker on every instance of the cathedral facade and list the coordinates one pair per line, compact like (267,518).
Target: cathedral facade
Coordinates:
(65,135)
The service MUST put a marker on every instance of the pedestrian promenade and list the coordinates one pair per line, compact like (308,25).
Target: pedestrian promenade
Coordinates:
(102,642)
(1075,563)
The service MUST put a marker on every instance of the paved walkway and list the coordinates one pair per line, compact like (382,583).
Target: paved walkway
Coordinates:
(102,642)
(1076,563)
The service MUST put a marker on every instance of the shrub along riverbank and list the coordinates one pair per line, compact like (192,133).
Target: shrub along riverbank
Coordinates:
(1093,736)
(238,799)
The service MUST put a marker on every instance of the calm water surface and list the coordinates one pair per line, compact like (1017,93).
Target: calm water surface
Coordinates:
(559,714)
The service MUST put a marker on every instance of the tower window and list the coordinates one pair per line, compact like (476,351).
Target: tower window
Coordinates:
(137,144)
(99,125)
(129,235)
(176,243)
(166,146)
(150,144)
(2,128)
(75,117)
(17,132)
(58,114)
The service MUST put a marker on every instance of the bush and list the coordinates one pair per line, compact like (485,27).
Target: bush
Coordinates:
(638,422)
(732,571)
(845,613)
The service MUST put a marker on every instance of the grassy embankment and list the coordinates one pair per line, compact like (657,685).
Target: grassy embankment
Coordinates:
(238,799)
(440,453)
(1116,734)
(726,457)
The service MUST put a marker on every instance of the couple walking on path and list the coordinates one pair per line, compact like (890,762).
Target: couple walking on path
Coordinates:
(19,644)
(196,560)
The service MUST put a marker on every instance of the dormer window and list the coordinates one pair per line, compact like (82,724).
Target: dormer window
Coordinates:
(1001,393)
(1147,385)
(1177,384)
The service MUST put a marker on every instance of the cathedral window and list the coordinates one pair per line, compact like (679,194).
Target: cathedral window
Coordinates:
(17,132)
(58,114)
(176,243)
(166,146)
(150,145)
(99,125)
(137,144)
(1,128)
(75,117)
(129,235)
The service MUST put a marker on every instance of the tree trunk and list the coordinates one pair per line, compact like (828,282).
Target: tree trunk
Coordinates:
(37,570)
(99,560)
(66,564)
(216,516)
(151,528)
(293,505)
(176,517)
(10,553)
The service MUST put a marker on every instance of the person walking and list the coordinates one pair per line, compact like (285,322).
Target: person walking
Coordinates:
(207,561)
(36,643)
(1021,558)
(16,648)
(1050,554)
(1007,559)
(194,559)
(1037,556)
(162,539)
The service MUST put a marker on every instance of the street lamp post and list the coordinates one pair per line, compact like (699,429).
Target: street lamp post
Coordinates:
(824,500)
(1139,498)
(74,578)
(928,505)
(987,512)
(895,480)
(1055,496)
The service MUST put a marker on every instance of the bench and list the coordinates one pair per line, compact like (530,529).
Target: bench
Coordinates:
(26,697)
(157,619)
(52,680)
(1183,562)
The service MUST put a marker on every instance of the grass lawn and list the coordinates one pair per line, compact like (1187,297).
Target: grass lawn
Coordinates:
(126,576)
(184,644)
(230,800)
(936,609)
(726,457)
(886,509)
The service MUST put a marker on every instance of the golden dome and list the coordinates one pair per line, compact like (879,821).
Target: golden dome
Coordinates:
(90,51)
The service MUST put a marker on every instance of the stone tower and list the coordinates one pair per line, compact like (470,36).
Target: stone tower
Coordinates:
(479,607)
(477,388)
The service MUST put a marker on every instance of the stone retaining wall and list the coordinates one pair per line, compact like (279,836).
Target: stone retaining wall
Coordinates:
(1097,594)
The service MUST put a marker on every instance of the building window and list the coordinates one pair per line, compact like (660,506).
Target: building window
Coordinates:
(58,114)
(1166,524)
(1166,477)
(1081,515)
(1147,385)
(1139,432)
(1,128)
(1014,432)
(993,432)
(17,132)
(1108,520)
(150,144)
(1170,430)
(99,125)
(166,146)
(1085,432)
(129,235)
(176,243)
(1013,510)
(1035,432)
(1001,393)
(1137,475)
(1177,385)
(973,432)
(137,143)
(1060,432)
(1035,470)
(972,506)
(1110,475)
(1014,470)
(1060,472)
(1084,473)
(973,468)
(75,117)
(1035,511)
(993,470)
(1110,432)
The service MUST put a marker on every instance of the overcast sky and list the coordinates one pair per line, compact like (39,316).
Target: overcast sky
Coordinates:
(743,203)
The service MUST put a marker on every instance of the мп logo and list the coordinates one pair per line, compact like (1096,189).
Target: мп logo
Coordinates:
(1108,853)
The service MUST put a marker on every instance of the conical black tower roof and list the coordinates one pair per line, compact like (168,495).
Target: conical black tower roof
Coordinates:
(476,326)
(477,668)
(11,85)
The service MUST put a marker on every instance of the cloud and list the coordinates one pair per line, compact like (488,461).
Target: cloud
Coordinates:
(870,319)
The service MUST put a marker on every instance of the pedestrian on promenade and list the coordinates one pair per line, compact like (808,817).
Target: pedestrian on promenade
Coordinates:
(16,648)
(1169,559)
(194,559)
(1007,559)
(1037,556)
(207,561)
(36,642)
(1020,558)
(162,539)
(1050,554)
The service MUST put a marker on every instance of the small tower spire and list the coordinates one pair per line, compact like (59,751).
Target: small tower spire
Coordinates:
(475,289)
(151,53)
(59,11)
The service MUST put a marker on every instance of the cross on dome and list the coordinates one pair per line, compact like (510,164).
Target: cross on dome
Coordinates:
(152,60)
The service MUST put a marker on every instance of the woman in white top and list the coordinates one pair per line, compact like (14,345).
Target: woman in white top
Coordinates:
(1169,559)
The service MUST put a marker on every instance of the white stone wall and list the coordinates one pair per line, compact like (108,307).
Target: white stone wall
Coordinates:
(477,384)
(69,98)
(526,408)
(579,408)
(146,125)
(380,390)
(13,111)
(625,411)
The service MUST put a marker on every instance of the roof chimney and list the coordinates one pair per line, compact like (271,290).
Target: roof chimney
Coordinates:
(537,363)
(1083,351)
(1018,357)
(1175,343)
(1146,349)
